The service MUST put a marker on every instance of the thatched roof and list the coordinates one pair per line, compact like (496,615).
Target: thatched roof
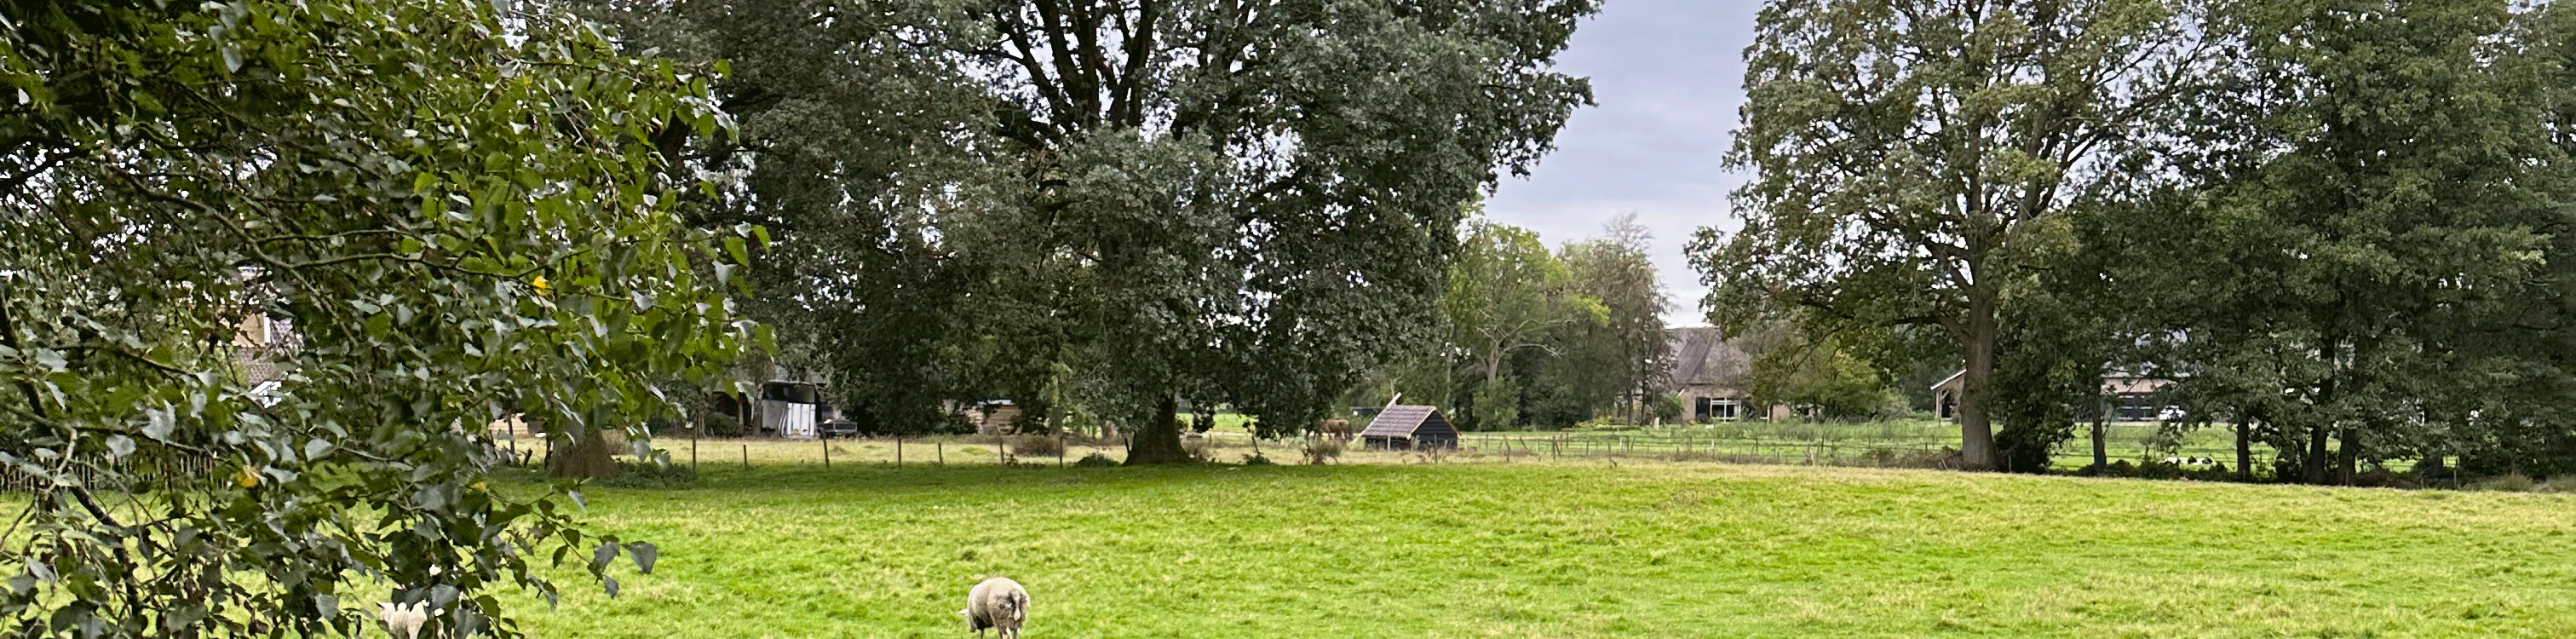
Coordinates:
(1704,358)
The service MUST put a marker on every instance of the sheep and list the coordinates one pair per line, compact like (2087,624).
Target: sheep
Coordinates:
(997,603)
(403,621)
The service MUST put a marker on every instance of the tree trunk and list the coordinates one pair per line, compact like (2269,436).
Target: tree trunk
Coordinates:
(2101,417)
(1977,344)
(2245,447)
(2347,459)
(1158,439)
(2313,468)
(585,457)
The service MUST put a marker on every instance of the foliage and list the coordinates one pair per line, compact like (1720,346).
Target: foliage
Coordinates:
(1506,293)
(1321,450)
(1820,378)
(317,246)
(1668,408)
(1125,204)
(1910,157)
(2373,234)
(1617,270)
(1095,460)
(632,474)
(1035,445)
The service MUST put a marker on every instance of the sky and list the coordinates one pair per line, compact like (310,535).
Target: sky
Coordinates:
(1668,76)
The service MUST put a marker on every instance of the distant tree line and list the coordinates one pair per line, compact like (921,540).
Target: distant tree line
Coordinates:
(2341,229)
(1537,337)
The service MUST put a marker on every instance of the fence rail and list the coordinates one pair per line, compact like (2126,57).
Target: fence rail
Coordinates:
(132,473)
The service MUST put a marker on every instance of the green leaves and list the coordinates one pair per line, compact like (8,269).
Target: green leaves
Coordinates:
(275,290)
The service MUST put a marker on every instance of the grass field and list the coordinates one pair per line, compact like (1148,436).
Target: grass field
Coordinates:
(1572,550)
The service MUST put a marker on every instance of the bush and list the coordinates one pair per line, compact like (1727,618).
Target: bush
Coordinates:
(1257,459)
(2159,470)
(1035,445)
(2384,478)
(1322,450)
(653,475)
(717,425)
(1095,460)
(2510,483)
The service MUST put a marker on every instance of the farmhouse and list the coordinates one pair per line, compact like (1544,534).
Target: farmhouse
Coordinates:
(1407,427)
(1714,376)
(2132,397)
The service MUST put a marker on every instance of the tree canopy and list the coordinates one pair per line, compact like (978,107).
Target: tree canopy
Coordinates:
(1911,157)
(452,214)
(1122,204)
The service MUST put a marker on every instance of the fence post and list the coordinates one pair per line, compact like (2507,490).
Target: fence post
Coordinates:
(693,452)
(827,451)
(898,451)
(941,448)
(746,457)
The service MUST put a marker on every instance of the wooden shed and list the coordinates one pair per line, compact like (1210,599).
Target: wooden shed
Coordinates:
(1404,427)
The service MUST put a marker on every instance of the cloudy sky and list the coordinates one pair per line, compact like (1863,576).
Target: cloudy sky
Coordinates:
(1668,75)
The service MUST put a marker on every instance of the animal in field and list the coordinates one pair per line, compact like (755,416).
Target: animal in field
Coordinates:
(998,603)
(1336,428)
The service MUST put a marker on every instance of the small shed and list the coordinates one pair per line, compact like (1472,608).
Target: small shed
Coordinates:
(1409,427)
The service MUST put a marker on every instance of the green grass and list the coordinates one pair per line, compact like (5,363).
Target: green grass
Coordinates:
(1572,550)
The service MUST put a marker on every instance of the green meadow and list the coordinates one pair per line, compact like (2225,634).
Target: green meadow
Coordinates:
(1571,550)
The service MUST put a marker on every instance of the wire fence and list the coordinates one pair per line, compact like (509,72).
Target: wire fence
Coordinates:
(721,454)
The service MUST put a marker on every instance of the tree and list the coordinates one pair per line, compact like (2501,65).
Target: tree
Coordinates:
(1904,153)
(857,153)
(450,206)
(2395,170)
(1823,378)
(1507,293)
(1219,179)
(1166,200)
(1618,270)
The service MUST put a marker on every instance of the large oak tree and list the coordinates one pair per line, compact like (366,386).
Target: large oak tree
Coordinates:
(1906,155)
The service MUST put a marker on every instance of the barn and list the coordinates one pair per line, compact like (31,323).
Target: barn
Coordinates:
(1404,427)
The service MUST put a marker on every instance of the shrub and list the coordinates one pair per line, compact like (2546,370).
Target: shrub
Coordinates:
(720,426)
(1257,459)
(1322,450)
(2510,483)
(2159,470)
(1035,445)
(2121,468)
(2383,478)
(653,475)
(1095,460)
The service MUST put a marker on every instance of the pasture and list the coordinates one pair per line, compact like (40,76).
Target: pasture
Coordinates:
(1569,549)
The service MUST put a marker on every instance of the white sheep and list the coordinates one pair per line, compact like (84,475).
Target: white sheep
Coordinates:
(403,621)
(997,603)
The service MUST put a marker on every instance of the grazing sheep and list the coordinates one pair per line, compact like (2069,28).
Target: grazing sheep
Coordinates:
(997,603)
(403,621)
